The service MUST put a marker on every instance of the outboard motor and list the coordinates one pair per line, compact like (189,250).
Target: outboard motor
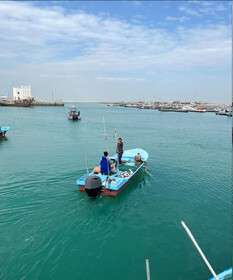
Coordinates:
(93,185)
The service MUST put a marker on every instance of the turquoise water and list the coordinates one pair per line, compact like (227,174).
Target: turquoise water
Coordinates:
(49,230)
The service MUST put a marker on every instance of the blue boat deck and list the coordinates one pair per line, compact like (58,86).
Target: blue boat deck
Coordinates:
(4,128)
(116,182)
(124,174)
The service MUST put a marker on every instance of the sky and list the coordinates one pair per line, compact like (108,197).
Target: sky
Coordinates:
(117,50)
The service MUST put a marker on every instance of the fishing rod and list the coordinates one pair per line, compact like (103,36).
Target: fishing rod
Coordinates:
(106,141)
(107,135)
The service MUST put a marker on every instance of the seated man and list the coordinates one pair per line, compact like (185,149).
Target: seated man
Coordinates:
(137,160)
(105,164)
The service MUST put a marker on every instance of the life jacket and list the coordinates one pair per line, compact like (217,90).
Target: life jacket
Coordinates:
(96,170)
(105,165)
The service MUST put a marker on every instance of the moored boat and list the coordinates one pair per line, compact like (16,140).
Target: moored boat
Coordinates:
(74,114)
(113,184)
(17,103)
(200,110)
(224,112)
(3,130)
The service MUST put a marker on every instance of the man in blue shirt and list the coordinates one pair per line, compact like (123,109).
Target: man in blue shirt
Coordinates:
(105,164)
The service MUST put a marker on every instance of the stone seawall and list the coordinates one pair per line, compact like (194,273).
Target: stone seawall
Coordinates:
(47,103)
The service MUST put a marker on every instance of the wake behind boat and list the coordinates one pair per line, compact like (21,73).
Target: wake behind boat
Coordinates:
(113,184)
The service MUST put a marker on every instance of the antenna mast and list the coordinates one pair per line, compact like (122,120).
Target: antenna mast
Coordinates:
(105,135)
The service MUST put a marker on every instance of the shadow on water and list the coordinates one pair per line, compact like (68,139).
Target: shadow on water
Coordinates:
(3,139)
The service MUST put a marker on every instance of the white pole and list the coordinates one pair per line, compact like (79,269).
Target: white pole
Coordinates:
(87,166)
(106,139)
(199,250)
(115,135)
(147,269)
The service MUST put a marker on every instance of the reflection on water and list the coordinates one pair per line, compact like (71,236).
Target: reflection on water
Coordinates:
(3,139)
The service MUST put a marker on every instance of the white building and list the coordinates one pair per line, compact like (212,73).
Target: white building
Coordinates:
(22,93)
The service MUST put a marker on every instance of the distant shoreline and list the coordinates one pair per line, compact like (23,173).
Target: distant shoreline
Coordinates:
(99,102)
(144,102)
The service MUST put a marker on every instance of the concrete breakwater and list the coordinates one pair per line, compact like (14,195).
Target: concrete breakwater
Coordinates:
(36,102)
(47,103)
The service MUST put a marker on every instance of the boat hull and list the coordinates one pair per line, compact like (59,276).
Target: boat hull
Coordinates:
(74,118)
(113,184)
(23,103)
(114,193)
(14,105)
(3,130)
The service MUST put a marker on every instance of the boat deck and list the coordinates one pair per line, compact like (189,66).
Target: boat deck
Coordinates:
(115,183)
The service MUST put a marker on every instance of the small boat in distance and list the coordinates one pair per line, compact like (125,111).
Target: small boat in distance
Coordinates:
(3,130)
(74,114)
(224,112)
(113,184)
(200,110)
(17,103)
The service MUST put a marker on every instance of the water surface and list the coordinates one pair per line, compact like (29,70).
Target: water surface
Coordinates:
(49,230)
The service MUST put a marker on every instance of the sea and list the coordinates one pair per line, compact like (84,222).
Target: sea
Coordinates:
(50,230)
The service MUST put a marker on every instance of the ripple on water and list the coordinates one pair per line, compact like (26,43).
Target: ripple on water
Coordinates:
(52,231)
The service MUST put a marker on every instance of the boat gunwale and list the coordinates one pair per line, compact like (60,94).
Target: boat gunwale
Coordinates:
(113,192)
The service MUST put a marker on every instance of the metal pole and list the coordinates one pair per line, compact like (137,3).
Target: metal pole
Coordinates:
(147,269)
(115,135)
(199,250)
(106,139)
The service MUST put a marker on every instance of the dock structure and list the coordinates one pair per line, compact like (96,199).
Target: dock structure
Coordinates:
(177,106)
(47,103)
(36,102)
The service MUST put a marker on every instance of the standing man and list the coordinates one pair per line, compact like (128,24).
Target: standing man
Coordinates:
(119,150)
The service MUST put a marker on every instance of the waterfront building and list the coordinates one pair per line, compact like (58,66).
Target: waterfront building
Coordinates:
(22,93)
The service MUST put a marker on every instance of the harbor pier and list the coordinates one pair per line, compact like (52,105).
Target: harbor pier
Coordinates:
(47,103)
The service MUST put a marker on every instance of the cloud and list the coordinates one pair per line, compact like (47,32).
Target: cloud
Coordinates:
(179,19)
(135,3)
(56,42)
(120,79)
(206,4)
(84,42)
(189,11)
(204,8)
(124,79)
